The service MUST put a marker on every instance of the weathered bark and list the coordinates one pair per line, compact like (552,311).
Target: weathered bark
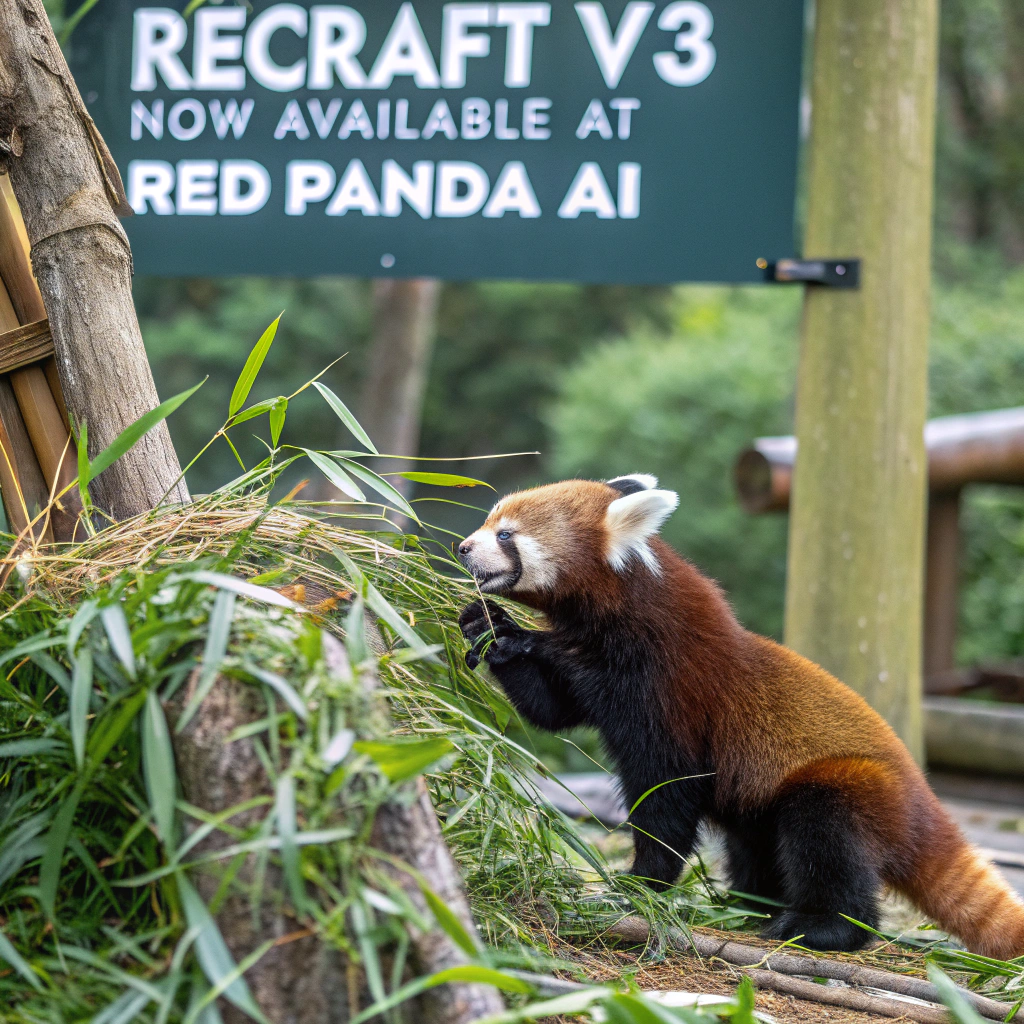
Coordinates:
(70,195)
(856,531)
(303,981)
(405,323)
(300,981)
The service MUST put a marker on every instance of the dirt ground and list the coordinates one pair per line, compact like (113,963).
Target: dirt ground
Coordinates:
(689,973)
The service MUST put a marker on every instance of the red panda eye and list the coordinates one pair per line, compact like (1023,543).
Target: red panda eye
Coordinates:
(504,534)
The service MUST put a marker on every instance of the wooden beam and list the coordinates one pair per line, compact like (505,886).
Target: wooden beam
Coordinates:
(942,564)
(25,345)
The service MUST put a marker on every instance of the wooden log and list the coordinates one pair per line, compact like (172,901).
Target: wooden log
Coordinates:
(25,345)
(70,196)
(975,448)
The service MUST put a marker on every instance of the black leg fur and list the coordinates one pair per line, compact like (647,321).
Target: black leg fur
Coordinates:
(751,861)
(518,660)
(827,871)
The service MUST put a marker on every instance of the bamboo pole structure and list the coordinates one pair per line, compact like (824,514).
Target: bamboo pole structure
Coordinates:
(856,538)
(70,194)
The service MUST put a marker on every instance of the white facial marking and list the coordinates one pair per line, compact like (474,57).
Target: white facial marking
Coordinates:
(539,569)
(631,520)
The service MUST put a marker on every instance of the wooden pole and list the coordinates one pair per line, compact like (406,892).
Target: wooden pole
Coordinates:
(941,578)
(856,540)
(70,195)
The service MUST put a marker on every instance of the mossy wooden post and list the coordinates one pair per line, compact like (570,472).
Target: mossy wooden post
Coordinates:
(856,535)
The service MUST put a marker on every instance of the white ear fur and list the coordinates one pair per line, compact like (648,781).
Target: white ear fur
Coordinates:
(645,480)
(631,520)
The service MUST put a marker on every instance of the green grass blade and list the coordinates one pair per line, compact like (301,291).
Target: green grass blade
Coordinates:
(217,636)
(134,432)
(284,811)
(158,768)
(213,954)
(682,778)
(336,475)
(342,412)
(15,959)
(119,635)
(84,473)
(81,693)
(247,377)
(105,735)
(960,1010)
(281,686)
(447,921)
(381,486)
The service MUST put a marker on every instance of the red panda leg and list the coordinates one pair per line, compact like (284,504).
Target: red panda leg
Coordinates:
(827,869)
(751,861)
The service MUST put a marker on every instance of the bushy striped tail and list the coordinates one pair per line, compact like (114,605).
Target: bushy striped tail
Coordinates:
(966,896)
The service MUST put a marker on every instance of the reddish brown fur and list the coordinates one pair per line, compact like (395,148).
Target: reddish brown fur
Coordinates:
(774,719)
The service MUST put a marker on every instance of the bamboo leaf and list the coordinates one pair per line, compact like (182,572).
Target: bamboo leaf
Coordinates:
(252,367)
(212,952)
(253,411)
(84,473)
(54,844)
(25,748)
(402,759)
(112,727)
(134,432)
(277,415)
(467,973)
(15,959)
(217,636)
(54,669)
(381,486)
(959,1009)
(242,587)
(336,475)
(682,778)
(158,768)
(81,692)
(443,479)
(346,417)
(87,611)
(120,637)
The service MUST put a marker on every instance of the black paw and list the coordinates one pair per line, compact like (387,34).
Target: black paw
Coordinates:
(817,931)
(482,621)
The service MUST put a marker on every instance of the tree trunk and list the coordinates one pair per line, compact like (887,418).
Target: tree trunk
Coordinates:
(70,194)
(856,537)
(405,322)
(301,980)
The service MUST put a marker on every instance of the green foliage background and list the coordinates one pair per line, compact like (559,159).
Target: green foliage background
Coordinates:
(671,381)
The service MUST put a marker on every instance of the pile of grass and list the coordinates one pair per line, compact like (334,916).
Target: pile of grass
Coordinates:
(97,915)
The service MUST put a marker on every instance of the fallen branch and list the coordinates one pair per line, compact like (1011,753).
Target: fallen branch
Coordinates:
(637,930)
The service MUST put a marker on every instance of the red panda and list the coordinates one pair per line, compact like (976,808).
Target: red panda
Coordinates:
(819,802)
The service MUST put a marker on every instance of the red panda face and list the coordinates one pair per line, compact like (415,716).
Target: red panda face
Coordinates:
(551,539)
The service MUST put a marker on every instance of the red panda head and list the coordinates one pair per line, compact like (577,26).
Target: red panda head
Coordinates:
(559,538)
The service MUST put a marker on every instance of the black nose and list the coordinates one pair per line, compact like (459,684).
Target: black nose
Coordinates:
(465,547)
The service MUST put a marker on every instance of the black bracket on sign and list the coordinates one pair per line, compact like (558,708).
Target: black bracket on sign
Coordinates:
(830,273)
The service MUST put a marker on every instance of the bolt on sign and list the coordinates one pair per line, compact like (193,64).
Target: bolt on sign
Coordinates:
(604,142)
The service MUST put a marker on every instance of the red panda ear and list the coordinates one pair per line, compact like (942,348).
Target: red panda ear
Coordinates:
(631,520)
(633,483)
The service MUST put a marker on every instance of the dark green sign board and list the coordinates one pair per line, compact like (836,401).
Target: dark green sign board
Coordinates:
(606,142)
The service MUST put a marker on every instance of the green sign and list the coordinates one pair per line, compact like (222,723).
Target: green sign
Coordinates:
(606,142)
